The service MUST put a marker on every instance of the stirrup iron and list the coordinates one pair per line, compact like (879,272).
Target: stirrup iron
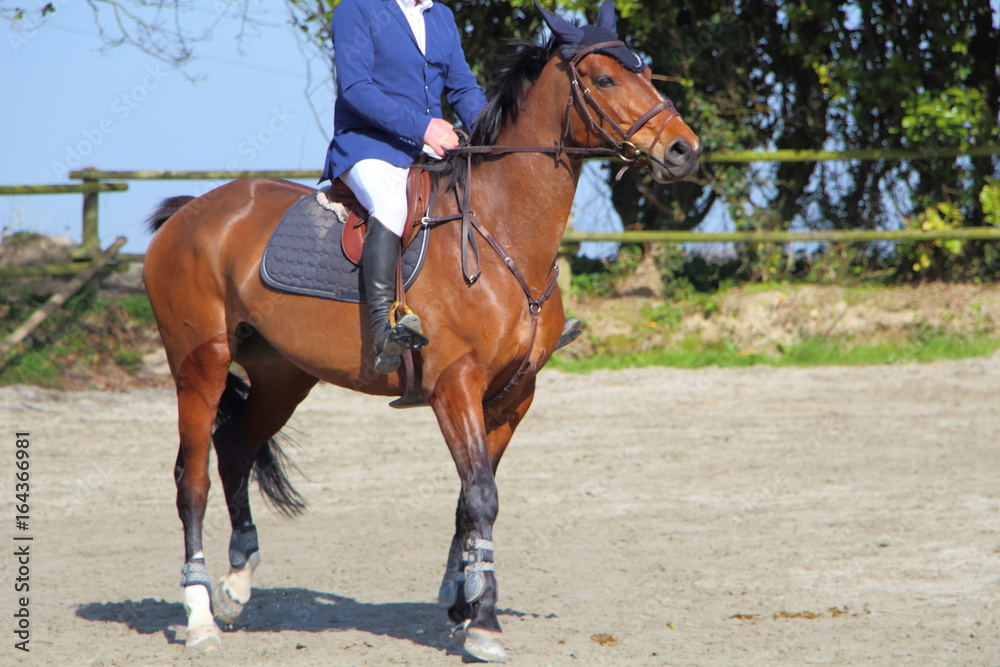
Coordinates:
(406,330)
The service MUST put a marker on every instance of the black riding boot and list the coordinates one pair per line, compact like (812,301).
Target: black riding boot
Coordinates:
(378,264)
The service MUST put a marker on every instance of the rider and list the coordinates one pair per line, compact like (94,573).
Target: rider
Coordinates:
(394,59)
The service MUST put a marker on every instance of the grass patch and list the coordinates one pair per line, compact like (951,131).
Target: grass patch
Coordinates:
(32,368)
(137,307)
(88,337)
(814,352)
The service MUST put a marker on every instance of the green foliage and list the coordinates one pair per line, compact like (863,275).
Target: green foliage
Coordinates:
(598,278)
(946,117)
(32,368)
(811,74)
(664,317)
(989,199)
(945,259)
(932,257)
(138,308)
(88,334)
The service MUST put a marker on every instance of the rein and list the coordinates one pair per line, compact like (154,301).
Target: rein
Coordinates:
(581,99)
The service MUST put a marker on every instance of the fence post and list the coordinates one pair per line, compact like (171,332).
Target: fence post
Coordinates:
(91,240)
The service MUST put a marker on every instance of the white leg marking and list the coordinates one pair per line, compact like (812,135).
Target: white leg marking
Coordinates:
(232,592)
(202,632)
(237,582)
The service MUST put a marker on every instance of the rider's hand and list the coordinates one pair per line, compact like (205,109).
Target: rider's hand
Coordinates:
(440,136)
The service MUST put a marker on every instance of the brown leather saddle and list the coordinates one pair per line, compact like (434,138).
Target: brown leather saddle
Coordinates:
(418,200)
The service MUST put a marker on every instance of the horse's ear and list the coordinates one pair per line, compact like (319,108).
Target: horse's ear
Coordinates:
(606,17)
(561,28)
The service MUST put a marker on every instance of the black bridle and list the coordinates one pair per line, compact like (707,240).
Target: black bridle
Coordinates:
(583,101)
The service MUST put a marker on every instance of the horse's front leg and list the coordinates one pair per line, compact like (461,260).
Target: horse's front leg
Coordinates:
(469,589)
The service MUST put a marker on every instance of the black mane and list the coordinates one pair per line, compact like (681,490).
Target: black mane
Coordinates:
(515,72)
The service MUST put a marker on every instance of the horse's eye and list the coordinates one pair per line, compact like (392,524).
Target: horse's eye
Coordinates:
(604,82)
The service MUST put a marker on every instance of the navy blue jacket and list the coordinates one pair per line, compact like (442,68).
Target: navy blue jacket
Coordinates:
(387,90)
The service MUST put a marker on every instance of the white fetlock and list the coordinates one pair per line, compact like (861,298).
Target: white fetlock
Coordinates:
(232,592)
(202,632)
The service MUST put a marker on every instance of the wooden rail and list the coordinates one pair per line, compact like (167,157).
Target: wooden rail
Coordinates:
(62,188)
(170,175)
(835,235)
(785,155)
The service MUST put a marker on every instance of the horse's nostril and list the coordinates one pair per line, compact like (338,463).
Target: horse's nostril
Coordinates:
(679,151)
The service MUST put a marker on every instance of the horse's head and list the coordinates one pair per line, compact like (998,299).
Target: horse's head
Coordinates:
(616,104)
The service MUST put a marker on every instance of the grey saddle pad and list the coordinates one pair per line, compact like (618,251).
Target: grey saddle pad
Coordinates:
(304,255)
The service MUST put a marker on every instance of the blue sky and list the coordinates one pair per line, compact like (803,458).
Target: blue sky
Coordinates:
(67,103)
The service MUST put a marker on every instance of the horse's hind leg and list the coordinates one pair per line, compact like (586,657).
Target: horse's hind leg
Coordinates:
(200,379)
(249,421)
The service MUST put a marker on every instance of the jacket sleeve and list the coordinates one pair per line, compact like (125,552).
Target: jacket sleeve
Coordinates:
(354,58)
(461,88)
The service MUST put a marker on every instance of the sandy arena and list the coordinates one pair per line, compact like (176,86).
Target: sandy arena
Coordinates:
(822,516)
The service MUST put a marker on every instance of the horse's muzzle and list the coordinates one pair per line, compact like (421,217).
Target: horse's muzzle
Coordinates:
(679,160)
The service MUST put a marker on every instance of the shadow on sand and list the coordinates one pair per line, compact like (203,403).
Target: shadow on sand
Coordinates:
(296,609)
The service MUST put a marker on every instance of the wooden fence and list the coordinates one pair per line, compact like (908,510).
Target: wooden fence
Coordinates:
(95,181)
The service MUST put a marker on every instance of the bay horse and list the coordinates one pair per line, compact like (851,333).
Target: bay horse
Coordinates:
(552,106)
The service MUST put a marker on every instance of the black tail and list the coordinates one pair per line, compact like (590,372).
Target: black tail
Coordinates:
(167,208)
(270,468)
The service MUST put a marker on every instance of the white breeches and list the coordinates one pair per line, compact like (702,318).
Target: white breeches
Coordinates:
(380,188)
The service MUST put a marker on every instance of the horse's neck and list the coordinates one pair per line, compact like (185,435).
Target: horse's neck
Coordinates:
(530,194)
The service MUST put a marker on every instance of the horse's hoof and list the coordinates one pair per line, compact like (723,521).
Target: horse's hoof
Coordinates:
(484,645)
(226,609)
(203,638)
